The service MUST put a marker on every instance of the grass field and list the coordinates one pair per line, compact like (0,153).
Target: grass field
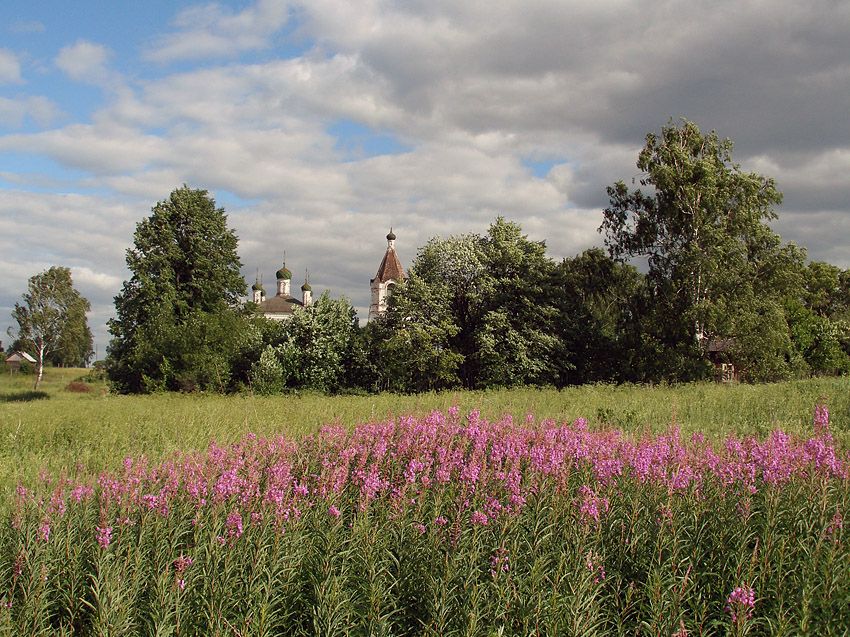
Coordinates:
(57,430)
(420,522)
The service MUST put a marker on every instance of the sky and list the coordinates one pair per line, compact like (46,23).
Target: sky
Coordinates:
(320,125)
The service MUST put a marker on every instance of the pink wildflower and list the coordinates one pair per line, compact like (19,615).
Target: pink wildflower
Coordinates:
(420,528)
(595,565)
(741,600)
(499,562)
(234,525)
(591,506)
(821,420)
(479,518)
(334,512)
(835,525)
(44,530)
(182,563)
(104,536)
(441,520)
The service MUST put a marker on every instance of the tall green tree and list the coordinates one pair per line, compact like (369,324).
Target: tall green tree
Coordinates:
(714,265)
(414,345)
(76,341)
(179,314)
(52,316)
(473,312)
(598,303)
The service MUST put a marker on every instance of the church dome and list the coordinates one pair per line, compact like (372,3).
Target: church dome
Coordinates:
(283,273)
(257,287)
(306,287)
(391,235)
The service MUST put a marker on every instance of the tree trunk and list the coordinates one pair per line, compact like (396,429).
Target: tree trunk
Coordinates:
(40,372)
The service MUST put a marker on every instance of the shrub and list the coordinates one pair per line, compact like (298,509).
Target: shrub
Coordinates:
(78,387)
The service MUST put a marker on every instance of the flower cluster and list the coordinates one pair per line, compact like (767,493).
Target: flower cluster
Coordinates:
(482,471)
(104,536)
(740,603)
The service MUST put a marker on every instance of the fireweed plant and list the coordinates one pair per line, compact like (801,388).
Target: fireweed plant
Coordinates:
(442,525)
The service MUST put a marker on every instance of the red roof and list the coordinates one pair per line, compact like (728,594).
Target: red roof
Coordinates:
(390,268)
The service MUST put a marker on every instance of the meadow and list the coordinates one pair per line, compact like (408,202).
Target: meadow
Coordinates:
(690,510)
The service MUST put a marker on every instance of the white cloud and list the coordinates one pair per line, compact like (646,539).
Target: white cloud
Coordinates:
(470,89)
(14,111)
(211,32)
(86,62)
(86,277)
(10,67)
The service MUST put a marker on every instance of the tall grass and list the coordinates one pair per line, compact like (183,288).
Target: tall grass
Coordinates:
(65,431)
(442,525)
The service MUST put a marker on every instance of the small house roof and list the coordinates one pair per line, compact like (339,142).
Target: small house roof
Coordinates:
(17,357)
(720,344)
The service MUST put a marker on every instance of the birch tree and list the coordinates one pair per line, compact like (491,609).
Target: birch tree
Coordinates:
(701,225)
(48,304)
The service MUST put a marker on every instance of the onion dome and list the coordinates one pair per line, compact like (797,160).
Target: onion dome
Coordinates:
(257,287)
(391,235)
(306,287)
(283,273)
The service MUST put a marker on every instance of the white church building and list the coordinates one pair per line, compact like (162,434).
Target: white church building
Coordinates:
(283,305)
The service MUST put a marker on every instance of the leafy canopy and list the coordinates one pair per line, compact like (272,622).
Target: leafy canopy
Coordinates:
(52,319)
(715,268)
(176,316)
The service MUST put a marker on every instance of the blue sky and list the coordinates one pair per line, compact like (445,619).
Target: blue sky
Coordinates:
(319,125)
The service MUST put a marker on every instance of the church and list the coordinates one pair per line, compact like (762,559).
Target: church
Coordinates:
(283,305)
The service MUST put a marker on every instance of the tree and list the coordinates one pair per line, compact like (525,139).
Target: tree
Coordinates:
(178,317)
(312,350)
(51,310)
(712,260)
(76,341)
(413,344)
(473,312)
(597,300)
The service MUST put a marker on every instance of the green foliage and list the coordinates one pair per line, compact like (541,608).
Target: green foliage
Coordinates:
(817,340)
(472,312)
(267,373)
(52,320)
(713,261)
(75,341)
(313,350)
(177,317)
(413,342)
(597,301)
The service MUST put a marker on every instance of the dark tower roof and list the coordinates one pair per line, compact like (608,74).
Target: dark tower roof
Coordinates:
(390,268)
(283,273)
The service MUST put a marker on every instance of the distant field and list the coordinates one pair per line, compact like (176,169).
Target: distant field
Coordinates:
(58,430)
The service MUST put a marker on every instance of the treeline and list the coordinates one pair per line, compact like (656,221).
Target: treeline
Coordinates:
(493,310)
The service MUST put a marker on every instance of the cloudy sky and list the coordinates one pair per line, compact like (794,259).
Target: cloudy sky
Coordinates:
(319,125)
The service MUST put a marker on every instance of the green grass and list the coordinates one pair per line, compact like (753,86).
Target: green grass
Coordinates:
(56,430)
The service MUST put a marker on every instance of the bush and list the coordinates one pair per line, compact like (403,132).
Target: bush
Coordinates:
(78,387)
(267,373)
